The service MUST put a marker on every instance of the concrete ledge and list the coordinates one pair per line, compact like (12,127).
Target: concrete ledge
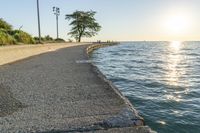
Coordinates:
(128,117)
(93,47)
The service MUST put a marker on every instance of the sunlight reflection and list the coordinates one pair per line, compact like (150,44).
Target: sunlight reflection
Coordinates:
(161,122)
(175,111)
(174,71)
(174,98)
(174,59)
(176,45)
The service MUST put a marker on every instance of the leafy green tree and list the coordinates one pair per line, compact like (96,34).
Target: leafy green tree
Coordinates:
(83,24)
(4,25)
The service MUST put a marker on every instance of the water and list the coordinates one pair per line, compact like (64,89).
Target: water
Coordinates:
(161,79)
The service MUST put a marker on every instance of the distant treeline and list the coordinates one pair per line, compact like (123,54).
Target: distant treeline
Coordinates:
(10,36)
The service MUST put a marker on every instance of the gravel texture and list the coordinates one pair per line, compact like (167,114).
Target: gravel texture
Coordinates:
(51,92)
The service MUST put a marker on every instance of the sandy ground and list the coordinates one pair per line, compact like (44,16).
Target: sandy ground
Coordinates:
(13,53)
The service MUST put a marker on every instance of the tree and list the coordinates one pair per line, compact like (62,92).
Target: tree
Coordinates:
(83,24)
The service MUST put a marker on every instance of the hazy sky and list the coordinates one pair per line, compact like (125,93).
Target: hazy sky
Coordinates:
(120,19)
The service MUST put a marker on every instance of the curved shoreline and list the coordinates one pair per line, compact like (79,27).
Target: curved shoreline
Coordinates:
(89,51)
(59,94)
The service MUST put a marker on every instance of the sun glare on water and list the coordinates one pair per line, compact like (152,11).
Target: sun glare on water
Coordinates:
(175,45)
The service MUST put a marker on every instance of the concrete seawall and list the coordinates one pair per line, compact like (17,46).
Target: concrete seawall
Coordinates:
(93,47)
(89,51)
(59,92)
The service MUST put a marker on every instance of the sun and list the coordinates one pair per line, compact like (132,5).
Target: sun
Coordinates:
(177,24)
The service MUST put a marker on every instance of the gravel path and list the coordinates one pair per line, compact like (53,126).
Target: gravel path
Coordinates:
(53,93)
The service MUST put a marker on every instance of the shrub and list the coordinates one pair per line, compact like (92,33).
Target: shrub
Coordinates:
(48,38)
(70,40)
(59,40)
(6,39)
(22,37)
(36,38)
(9,36)
(4,25)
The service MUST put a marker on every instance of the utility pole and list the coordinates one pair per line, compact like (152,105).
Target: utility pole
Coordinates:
(56,12)
(38,14)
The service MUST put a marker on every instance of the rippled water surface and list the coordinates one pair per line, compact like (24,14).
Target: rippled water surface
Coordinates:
(161,79)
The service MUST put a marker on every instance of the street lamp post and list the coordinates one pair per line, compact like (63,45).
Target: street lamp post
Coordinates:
(56,11)
(38,14)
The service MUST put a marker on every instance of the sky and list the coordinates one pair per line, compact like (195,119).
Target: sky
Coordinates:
(121,20)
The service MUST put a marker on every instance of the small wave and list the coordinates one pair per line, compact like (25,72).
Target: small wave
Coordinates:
(161,82)
(153,85)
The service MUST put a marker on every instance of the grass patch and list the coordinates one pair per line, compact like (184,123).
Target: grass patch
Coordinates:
(6,39)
